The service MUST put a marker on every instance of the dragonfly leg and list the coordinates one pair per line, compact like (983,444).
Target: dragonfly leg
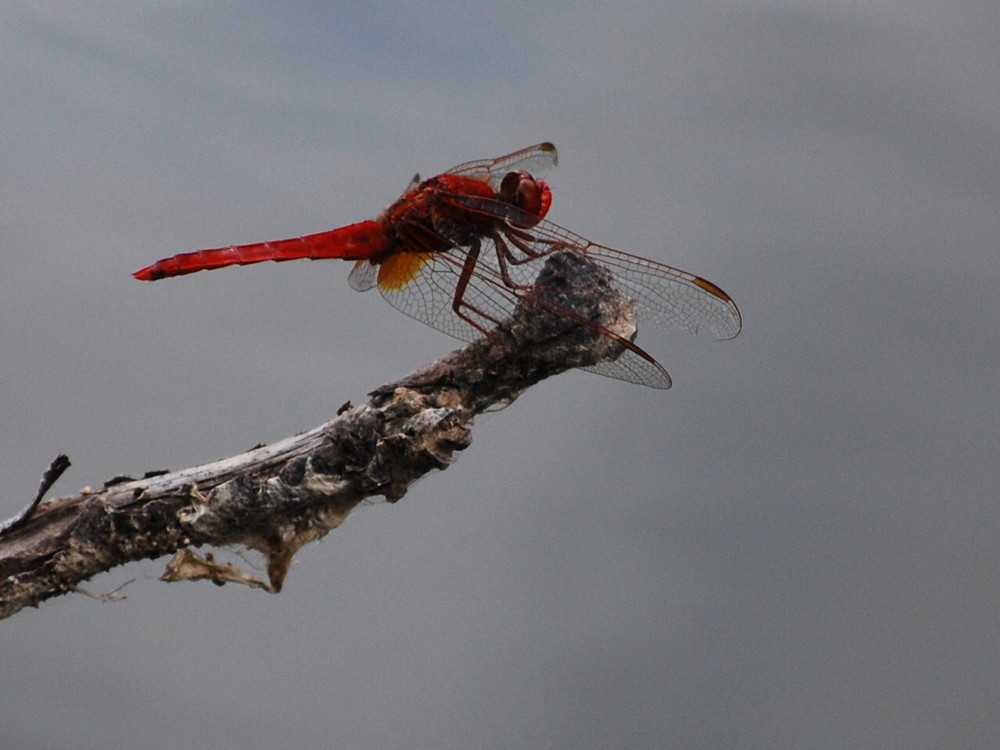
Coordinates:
(523,241)
(459,305)
(506,258)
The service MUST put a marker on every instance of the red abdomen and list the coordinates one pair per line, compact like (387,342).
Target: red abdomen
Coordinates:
(353,242)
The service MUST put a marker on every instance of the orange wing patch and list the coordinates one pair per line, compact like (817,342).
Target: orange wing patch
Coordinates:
(400,269)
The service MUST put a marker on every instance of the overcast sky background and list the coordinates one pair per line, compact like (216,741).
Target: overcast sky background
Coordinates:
(795,547)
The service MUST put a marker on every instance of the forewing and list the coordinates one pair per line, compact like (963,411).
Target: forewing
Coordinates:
(664,295)
(430,294)
(536,160)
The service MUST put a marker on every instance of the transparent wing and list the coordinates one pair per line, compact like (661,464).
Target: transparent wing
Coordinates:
(669,296)
(665,295)
(430,295)
(422,282)
(363,276)
(536,160)
(488,299)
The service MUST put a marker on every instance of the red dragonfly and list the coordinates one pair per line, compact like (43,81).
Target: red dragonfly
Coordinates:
(459,250)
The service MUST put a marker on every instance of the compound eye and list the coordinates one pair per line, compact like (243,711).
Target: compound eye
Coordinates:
(522,190)
(508,187)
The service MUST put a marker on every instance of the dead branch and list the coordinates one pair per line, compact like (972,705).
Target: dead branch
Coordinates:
(278,497)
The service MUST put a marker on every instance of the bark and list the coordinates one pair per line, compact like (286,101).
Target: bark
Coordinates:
(278,497)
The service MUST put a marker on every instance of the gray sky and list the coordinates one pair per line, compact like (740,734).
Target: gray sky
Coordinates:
(796,547)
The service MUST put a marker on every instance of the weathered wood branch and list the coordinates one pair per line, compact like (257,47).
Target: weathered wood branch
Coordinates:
(277,498)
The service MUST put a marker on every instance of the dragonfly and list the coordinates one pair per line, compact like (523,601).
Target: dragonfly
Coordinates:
(460,250)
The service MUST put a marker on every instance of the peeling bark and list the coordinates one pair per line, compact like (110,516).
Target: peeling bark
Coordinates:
(279,497)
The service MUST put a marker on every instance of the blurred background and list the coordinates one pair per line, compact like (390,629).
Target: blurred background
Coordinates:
(795,547)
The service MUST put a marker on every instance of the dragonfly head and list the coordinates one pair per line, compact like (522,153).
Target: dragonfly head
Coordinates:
(530,195)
